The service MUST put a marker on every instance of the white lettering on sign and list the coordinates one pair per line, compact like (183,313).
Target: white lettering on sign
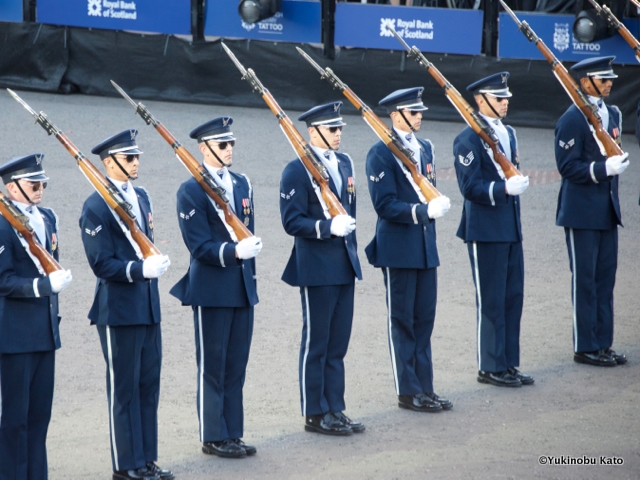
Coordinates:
(112,9)
(414,29)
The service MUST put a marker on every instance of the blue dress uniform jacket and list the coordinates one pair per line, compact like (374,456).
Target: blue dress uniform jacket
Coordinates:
(589,211)
(216,278)
(126,311)
(123,296)
(395,201)
(29,336)
(318,258)
(405,247)
(324,266)
(490,225)
(488,213)
(19,300)
(222,292)
(588,198)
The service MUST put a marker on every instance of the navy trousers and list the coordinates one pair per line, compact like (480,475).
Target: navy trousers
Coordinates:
(593,259)
(327,316)
(26,385)
(411,305)
(498,275)
(133,355)
(223,340)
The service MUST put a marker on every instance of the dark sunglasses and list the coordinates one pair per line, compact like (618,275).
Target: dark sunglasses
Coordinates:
(36,185)
(131,158)
(334,129)
(223,145)
(413,113)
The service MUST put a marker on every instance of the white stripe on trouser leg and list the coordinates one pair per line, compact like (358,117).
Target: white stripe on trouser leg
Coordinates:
(392,350)
(201,379)
(479,296)
(112,395)
(575,290)
(306,354)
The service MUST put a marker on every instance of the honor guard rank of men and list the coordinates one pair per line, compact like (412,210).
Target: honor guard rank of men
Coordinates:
(220,287)
(29,334)
(126,311)
(589,211)
(490,226)
(404,247)
(324,264)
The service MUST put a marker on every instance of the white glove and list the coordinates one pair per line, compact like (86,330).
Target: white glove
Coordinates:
(248,248)
(60,279)
(342,225)
(516,185)
(155,265)
(617,164)
(437,207)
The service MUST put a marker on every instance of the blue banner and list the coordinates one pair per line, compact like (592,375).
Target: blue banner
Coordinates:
(439,30)
(10,10)
(156,16)
(299,22)
(556,31)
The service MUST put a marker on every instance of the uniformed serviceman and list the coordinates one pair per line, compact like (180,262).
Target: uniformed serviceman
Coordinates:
(220,287)
(126,311)
(324,264)
(29,334)
(589,211)
(490,226)
(405,248)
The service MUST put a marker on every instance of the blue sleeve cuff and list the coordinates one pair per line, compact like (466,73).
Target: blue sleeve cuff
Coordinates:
(500,192)
(600,171)
(324,228)
(422,213)
(44,287)
(135,272)
(229,255)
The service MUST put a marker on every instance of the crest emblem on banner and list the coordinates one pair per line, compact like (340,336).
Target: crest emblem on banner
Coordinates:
(384,23)
(248,26)
(561,37)
(94,8)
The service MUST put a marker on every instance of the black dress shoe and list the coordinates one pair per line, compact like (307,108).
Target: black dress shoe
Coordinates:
(356,427)
(251,450)
(597,358)
(326,424)
(620,358)
(136,473)
(226,448)
(160,473)
(444,403)
(499,379)
(524,379)
(418,403)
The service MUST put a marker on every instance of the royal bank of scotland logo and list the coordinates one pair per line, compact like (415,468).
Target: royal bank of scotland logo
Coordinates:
(95,9)
(561,37)
(248,26)
(384,23)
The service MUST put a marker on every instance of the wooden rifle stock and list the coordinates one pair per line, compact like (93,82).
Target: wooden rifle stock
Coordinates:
(308,157)
(105,189)
(383,132)
(317,170)
(475,121)
(110,195)
(200,173)
(203,177)
(20,222)
(613,22)
(574,91)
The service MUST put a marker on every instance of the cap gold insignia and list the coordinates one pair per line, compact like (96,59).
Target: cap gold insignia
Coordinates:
(225,121)
(336,106)
(38,159)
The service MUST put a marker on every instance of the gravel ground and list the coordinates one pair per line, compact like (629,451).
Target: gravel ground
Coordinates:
(572,411)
